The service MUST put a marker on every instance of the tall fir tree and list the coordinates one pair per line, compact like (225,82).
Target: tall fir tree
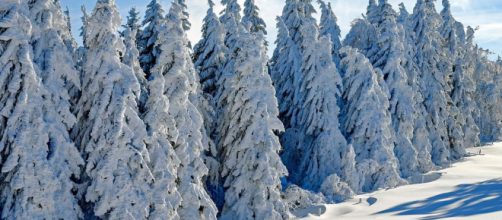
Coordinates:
(421,140)
(109,131)
(404,15)
(372,12)
(286,78)
(132,21)
(285,71)
(362,35)
(185,15)
(175,65)
(444,132)
(389,58)
(460,88)
(209,59)
(154,18)
(252,19)
(131,59)
(320,139)
(329,27)
(231,20)
(487,95)
(37,163)
(161,129)
(294,13)
(249,146)
(367,123)
(209,52)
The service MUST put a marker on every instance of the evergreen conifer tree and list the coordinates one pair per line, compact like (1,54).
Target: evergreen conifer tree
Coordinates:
(37,163)
(154,18)
(109,131)
(321,141)
(249,146)
(367,123)
(175,65)
(252,19)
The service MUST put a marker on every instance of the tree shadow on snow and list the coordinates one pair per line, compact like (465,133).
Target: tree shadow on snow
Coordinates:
(466,200)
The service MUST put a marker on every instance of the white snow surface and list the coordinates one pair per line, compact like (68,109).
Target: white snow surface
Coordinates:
(469,189)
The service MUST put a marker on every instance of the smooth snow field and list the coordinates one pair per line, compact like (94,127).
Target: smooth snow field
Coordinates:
(470,189)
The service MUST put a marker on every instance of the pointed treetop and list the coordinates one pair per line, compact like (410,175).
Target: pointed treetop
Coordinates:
(154,11)
(132,19)
(371,11)
(185,19)
(252,19)
(470,35)
(282,29)
(446,12)
(175,12)
(232,9)
(446,5)
(403,13)
(330,28)
(403,10)
(210,3)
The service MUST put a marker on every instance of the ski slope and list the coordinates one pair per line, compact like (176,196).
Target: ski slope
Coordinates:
(470,189)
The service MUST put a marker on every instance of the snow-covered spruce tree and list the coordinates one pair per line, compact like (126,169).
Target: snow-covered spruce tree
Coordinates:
(185,15)
(54,64)
(388,58)
(367,123)
(420,138)
(131,54)
(54,59)
(285,63)
(372,12)
(209,59)
(294,14)
(487,78)
(404,15)
(231,20)
(444,133)
(252,19)
(37,163)
(209,52)
(454,35)
(131,59)
(464,88)
(452,32)
(109,131)
(161,128)
(175,65)
(66,34)
(285,71)
(85,23)
(252,167)
(51,28)
(362,35)
(330,28)
(132,21)
(321,141)
(154,18)
(483,81)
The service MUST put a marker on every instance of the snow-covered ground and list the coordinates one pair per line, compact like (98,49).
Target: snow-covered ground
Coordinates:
(471,189)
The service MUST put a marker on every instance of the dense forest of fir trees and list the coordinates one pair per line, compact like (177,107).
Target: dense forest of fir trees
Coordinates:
(141,123)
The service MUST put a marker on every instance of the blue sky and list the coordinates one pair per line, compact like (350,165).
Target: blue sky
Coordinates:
(487,14)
